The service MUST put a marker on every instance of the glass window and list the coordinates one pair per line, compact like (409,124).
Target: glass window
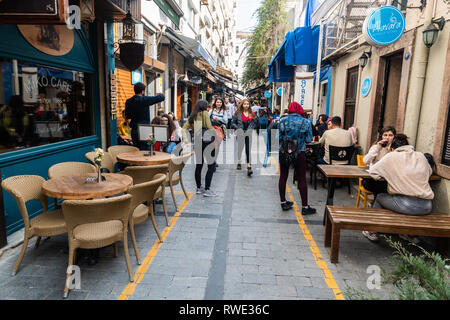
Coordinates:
(41,105)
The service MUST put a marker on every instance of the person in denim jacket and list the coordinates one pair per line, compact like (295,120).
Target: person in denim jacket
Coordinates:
(295,126)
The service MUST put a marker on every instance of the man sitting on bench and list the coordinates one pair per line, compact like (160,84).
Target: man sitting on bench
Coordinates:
(407,173)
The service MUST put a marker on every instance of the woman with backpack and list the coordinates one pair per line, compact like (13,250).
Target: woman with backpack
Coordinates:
(244,119)
(294,131)
(200,121)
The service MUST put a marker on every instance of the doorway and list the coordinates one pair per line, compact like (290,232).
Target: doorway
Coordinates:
(391,88)
(350,97)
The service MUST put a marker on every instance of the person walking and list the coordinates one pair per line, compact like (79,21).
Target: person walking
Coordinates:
(200,121)
(294,132)
(137,110)
(231,109)
(244,119)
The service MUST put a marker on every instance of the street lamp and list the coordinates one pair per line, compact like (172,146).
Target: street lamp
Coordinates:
(431,32)
(364,59)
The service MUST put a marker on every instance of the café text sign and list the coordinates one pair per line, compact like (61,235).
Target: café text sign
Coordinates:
(384,26)
(304,88)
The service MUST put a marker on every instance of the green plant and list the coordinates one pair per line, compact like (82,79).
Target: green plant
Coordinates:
(414,276)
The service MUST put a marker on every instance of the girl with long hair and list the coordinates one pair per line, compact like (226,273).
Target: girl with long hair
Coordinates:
(245,119)
(199,120)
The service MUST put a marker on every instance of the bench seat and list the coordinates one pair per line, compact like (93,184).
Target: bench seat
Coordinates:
(382,220)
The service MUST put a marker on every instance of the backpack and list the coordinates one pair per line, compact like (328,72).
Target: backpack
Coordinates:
(289,147)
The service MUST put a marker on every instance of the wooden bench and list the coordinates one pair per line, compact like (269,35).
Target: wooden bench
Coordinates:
(382,220)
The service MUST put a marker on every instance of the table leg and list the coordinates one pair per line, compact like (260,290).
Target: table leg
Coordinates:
(327,231)
(330,195)
(335,237)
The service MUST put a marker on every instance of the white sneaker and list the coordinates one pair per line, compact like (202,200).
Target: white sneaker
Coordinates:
(372,236)
(209,193)
(200,190)
(409,238)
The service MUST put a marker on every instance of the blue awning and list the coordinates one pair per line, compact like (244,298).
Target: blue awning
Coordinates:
(299,48)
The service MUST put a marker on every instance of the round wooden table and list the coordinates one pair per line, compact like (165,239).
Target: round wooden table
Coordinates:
(76,187)
(138,158)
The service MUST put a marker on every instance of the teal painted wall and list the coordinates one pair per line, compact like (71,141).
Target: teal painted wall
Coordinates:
(38,160)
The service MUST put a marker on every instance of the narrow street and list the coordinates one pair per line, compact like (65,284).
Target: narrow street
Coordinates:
(239,245)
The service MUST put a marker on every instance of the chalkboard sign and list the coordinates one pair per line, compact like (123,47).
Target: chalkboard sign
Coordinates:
(36,11)
(446,149)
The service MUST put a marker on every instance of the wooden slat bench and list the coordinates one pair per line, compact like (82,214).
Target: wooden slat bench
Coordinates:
(382,220)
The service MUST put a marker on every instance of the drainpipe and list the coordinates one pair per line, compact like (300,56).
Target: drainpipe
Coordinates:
(417,83)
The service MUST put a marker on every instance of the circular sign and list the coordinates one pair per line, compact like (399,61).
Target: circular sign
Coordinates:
(51,39)
(366,86)
(384,26)
(281,91)
(268,94)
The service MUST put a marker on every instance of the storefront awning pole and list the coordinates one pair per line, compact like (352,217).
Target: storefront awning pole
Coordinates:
(319,63)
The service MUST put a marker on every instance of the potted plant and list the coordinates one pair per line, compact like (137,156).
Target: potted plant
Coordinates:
(151,142)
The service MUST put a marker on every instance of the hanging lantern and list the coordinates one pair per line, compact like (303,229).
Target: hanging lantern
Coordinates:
(131,49)
(129,28)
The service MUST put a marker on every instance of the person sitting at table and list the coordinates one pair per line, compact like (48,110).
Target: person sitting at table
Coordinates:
(407,173)
(335,136)
(321,125)
(168,147)
(375,154)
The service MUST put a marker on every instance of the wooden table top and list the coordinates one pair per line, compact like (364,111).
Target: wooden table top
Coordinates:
(138,158)
(76,187)
(348,171)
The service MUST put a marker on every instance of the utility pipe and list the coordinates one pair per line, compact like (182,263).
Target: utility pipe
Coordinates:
(417,82)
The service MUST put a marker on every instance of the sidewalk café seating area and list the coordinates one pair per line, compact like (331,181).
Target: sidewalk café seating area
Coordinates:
(97,214)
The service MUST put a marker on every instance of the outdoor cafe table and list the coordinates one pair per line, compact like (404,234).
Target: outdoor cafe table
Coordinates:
(77,188)
(138,158)
(333,172)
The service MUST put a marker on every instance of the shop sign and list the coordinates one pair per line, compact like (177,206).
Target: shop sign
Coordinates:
(136,76)
(113,92)
(304,88)
(268,94)
(366,86)
(169,11)
(51,39)
(281,91)
(36,11)
(384,26)
(195,80)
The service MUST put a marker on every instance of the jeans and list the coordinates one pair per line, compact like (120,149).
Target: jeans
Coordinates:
(403,204)
(200,158)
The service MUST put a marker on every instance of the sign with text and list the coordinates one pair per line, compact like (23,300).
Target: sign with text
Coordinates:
(36,11)
(304,89)
(384,26)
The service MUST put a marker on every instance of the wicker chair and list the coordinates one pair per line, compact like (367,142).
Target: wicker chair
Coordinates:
(107,161)
(93,224)
(70,169)
(142,174)
(115,150)
(26,188)
(176,166)
(141,193)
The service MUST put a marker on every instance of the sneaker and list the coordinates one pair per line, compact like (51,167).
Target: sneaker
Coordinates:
(238,167)
(287,205)
(407,237)
(249,171)
(308,210)
(209,193)
(200,190)
(372,236)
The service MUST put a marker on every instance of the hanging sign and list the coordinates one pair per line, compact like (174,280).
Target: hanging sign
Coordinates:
(384,26)
(304,89)
(280,91)
(366,86)
(30,85)
(136,76)
(268,94)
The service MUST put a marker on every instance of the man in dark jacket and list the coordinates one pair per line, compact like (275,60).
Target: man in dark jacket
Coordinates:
(137,110)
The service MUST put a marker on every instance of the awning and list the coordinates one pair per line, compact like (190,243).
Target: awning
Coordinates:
(192,45)
(298,48)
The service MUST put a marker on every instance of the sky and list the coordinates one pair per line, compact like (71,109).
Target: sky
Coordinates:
(245,21)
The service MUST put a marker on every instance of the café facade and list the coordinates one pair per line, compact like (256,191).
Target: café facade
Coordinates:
(54,92)
(394,74)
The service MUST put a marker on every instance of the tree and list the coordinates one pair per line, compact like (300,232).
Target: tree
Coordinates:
(267,38)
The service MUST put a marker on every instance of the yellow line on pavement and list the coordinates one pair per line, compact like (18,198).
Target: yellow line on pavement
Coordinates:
(142,270)
(329,279)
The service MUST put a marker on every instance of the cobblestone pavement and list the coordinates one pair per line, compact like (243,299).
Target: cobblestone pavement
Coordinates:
(239,245)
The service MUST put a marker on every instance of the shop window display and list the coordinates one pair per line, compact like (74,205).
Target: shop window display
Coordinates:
(41,105)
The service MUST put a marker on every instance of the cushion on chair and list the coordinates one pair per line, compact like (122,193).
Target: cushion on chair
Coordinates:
(49,224)
(98,231)
(140,214)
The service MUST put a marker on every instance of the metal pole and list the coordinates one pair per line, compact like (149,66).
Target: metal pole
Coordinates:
(317,86)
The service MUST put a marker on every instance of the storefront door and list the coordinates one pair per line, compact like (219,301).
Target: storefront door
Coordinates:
(350,97)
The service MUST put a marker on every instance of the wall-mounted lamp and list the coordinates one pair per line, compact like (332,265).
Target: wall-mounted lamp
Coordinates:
(364,59)
(431,32)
